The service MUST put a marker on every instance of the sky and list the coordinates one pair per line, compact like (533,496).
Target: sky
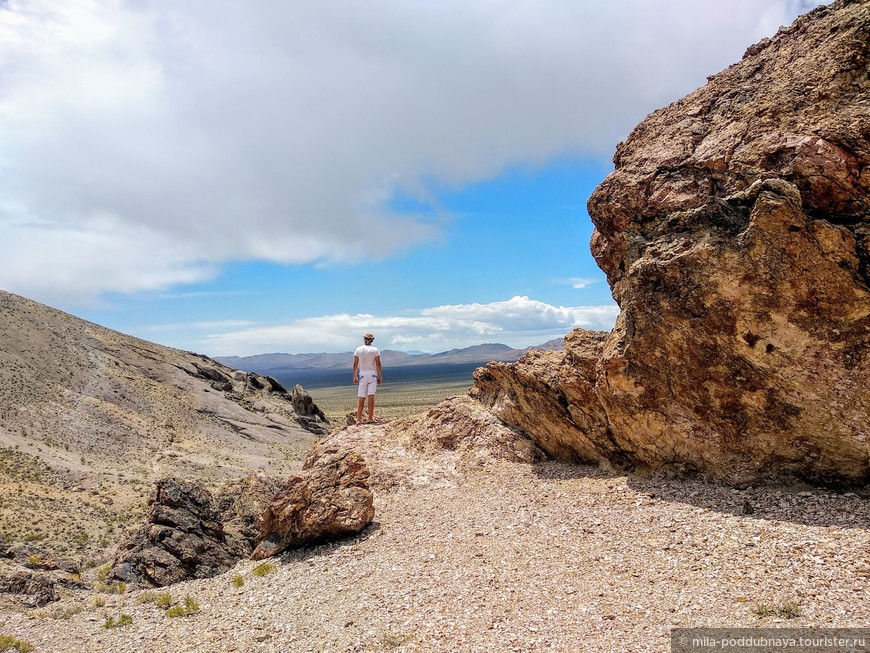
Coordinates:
(236,178)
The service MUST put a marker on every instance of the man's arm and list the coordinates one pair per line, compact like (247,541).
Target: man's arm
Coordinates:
(355,366)
(380,371)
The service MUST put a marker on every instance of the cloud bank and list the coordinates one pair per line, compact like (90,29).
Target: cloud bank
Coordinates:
(518,322)
(143,144)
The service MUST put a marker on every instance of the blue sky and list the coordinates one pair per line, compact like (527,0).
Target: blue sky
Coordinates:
(237,182)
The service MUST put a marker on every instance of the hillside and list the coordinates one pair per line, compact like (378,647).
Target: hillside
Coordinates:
(90,417)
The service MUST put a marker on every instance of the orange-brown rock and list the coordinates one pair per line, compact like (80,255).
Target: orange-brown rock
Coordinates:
(551,394)
(735,234)
(329,499)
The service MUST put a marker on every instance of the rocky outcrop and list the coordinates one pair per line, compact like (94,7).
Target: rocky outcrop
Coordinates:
(329,499)
(735,234)
(30,589)
(308,414)
(458,425)
(184,538)
(240,505)
(551,394)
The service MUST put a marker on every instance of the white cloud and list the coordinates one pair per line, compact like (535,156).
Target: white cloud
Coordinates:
(582,282)
(216,131)
(518,322)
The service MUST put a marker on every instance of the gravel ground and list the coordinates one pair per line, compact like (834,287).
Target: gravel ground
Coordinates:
(513,557)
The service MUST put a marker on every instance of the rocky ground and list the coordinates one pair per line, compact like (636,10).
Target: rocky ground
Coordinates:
(470,552)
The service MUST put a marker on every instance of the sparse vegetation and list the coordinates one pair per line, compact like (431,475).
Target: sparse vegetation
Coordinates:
(111,588)
(123,620)
(238,580)
(8,642)
(160,599)
(188,607)
(67,612)
(785,610)
(263,569)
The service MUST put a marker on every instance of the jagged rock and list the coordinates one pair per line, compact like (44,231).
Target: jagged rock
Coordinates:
(329,499)
(458,424)
(31,589)
(308,414)
(735,234)
(241,503)
(554,401)
(213,374)
(183,539)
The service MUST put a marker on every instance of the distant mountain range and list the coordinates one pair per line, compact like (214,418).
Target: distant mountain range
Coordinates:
(279,364)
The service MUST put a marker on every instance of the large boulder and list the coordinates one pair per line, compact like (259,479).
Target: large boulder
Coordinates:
(735,234)
(240,505)
(183,539)
(329,499)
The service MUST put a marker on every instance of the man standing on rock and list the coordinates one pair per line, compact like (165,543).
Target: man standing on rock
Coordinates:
(367,375)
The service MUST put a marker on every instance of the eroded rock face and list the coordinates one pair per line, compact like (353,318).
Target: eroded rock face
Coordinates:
(551,394)
(735,234)
(30,589)
(308,414)
(240,505)
(459,425)
(184,538)
(329,499)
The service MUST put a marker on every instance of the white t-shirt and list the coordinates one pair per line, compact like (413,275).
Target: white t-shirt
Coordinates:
(367,355)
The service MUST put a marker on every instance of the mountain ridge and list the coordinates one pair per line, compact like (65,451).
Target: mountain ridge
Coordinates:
(277,362)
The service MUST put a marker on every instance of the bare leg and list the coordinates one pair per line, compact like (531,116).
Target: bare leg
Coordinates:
(371,408)
(359,408)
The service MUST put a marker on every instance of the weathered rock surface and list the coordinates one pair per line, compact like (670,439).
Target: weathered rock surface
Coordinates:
(551,394)
(30,589)
(735,234)
(458,425)
(329,499)
(308,414)
(184,538)
(240,505)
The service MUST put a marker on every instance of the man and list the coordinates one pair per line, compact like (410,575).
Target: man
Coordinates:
(367,375)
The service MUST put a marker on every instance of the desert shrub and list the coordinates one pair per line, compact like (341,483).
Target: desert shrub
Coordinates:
(8,642)
(188,607)
(123,620)
(160,599)
(66,613)
(238,580)
(789,610)
(786,610)
(263,569)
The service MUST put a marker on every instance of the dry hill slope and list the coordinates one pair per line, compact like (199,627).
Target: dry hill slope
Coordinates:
(90,417)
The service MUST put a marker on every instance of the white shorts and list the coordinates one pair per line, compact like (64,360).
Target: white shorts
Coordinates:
(368,384)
